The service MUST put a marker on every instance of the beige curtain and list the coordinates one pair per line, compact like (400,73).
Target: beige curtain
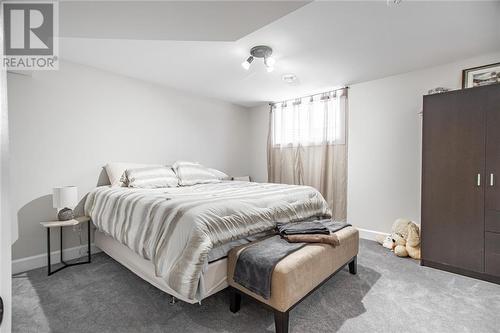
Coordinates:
(307,145)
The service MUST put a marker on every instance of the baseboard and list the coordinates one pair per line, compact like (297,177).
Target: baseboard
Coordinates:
(370,234)
(40,260)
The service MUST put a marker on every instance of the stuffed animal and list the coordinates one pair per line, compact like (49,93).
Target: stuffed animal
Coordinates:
(386,241)
(391,241)
(400,251)
(404,239)
(400,227)
(413,241)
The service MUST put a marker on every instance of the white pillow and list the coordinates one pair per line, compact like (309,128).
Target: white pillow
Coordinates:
(219,174)
(115,171)
(150,177)
(242,178)
(191,173)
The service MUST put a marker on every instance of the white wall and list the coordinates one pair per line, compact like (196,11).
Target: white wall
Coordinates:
(65,125)
(384,143)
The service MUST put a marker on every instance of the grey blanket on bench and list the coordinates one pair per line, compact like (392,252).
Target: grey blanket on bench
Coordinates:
(303,228)
(255,263)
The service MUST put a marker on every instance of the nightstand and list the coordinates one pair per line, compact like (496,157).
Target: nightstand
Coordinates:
(61,224)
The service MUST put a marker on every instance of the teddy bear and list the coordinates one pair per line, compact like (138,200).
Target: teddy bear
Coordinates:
(404,239)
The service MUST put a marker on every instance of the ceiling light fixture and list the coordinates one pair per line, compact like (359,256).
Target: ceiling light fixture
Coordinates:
(260,51)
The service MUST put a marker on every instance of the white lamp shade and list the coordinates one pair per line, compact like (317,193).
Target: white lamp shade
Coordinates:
(66,196)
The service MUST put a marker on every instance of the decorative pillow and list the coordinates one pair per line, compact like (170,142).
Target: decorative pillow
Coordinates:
(219,174)
(242,178)
(191,173)
(150,177)
(115,171)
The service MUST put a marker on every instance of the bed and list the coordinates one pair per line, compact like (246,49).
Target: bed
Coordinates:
(177,238)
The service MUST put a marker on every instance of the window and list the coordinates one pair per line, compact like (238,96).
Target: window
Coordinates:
(309,121)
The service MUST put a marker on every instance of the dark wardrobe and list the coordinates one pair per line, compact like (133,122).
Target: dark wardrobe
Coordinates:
(461,182)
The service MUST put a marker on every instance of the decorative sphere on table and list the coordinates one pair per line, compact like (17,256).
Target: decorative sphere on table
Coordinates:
(65,214)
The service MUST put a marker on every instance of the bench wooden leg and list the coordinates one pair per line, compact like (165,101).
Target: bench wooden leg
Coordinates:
(235,301)
(353,265)
(281,321)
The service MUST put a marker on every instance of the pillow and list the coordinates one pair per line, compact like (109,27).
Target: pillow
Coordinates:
(191,173)
(150,177)
(242,178)
(219,174)
(115,171)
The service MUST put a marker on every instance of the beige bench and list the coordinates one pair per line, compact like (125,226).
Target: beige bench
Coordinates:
(298,274)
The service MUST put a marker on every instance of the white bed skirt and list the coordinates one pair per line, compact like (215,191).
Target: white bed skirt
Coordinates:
(214,279)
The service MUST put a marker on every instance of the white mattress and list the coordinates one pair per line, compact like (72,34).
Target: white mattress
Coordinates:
(213,280)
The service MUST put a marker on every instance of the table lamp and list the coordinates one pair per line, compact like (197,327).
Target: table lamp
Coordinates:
(65,199)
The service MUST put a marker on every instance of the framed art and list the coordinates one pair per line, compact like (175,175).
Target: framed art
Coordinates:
(481,76)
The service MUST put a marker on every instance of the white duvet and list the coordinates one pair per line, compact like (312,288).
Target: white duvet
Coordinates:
(177,227)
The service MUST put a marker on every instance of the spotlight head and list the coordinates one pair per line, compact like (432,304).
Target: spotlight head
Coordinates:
(269,61)
(246,64)
(269,69)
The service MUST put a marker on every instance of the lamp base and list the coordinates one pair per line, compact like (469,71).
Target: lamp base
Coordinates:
(65,214)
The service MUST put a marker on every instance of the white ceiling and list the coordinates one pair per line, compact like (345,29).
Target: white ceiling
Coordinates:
(169,20)
(326,44)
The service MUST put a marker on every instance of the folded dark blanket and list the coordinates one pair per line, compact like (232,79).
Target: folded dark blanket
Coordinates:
(303,228)
(332,239)
(335,226)
(256,263)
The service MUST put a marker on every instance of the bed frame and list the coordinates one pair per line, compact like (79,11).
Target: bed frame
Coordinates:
(213,279)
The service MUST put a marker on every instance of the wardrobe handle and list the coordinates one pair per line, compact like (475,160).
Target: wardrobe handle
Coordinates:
(492,180)
(478,179)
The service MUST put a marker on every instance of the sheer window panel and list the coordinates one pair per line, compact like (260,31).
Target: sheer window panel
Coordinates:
(307,123)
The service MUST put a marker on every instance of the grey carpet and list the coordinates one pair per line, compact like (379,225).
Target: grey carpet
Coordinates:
(389,294)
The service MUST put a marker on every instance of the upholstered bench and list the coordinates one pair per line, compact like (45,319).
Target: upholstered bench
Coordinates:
(298,274)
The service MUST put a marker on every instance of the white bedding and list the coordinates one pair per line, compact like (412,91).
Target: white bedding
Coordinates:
(176,228)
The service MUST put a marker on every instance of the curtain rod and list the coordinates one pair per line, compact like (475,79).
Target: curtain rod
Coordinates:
(292,99)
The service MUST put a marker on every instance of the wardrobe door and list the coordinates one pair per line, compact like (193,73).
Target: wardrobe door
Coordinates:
(453,179)
(492,191)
